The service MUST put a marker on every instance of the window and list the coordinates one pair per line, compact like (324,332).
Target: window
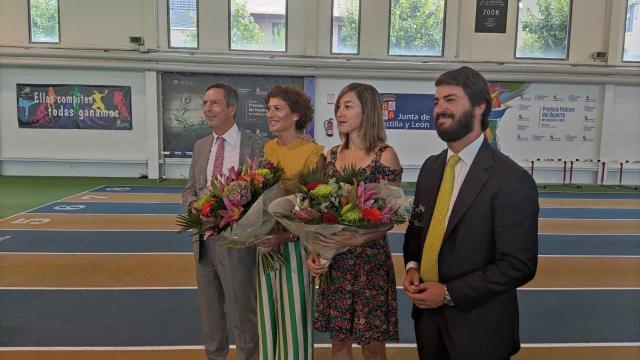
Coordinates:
(416,27)
(345,29)
(543,29)
(258,25)
(632,32)
(44,21)
(183,23)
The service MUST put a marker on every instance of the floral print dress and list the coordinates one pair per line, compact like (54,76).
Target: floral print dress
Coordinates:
(359,300)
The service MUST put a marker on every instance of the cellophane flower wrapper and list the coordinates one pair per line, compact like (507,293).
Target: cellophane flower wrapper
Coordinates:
(222,216)
(257,221)
(283,207)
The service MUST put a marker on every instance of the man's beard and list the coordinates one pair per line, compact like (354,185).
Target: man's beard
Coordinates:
(460,127)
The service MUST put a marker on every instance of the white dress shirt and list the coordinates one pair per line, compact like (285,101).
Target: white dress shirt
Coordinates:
(462,168)
(231,151)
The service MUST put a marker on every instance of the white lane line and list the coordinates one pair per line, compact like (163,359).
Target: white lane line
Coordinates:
(89,231)
(573,256)
(200,347)
(560,345)
(193,288)
(94,214)
(101,288)
(190,253)
(53,202)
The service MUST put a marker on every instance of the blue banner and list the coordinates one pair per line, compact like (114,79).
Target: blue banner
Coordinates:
(49,106)
(408,111)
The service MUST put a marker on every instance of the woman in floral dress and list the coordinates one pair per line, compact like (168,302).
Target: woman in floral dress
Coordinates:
(358,303)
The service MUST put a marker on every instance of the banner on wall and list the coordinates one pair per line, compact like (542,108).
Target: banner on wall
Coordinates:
(526,120)
(545,120)
(95,107)
(407,111)
(182,118)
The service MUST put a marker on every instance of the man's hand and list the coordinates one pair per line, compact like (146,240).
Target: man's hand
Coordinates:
(273,241)
(316,268)
(430,295)
(412,281)
(193,209)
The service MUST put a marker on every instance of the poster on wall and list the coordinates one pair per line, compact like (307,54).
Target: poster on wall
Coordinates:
(491,16)
(407,111)
(182,118)
(94,107)
(530,121)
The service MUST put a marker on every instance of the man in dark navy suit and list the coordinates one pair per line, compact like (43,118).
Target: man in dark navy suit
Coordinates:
(477,240)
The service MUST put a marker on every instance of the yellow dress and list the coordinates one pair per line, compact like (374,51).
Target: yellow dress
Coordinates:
(298,156)
(285,297)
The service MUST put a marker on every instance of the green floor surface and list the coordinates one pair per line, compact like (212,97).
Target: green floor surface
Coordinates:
(21,193)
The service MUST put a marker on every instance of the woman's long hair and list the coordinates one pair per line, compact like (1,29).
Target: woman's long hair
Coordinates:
(371,128)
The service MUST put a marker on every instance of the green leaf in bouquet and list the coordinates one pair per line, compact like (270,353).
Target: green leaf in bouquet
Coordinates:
(215,191)
(349,174)
(189,222)
(271,261)
(307,177)
(324,279)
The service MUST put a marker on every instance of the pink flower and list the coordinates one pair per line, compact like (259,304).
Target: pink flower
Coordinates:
(366,196)
(386,214)
(306,214)
(233,212)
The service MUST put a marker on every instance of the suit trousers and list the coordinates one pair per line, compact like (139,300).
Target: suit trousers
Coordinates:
(227,294)
(434,338)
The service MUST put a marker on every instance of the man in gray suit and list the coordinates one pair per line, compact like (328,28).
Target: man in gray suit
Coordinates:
(479,239)
(226,277)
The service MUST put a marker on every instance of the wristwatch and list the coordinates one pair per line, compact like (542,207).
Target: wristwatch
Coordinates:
(447,297)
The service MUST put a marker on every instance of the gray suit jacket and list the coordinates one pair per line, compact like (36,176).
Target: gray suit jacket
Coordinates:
(251,147)
(490,248)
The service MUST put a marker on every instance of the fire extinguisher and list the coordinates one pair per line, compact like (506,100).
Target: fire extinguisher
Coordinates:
(328,127)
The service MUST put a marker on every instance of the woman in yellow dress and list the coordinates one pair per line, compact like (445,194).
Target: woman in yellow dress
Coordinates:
(285,297)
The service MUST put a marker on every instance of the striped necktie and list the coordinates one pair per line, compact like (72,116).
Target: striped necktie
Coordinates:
(435,234)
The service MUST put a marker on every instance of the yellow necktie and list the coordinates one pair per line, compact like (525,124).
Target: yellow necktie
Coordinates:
(435,234)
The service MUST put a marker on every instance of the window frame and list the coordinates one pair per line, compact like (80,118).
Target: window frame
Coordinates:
(624,32)
(359,30)
(286,32)
(567,52)
(30,26)
(444,30)
(197,47)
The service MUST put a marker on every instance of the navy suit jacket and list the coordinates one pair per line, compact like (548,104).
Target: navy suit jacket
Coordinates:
(489,249)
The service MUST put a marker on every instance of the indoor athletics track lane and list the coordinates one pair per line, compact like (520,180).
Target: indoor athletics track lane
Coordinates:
(127,291)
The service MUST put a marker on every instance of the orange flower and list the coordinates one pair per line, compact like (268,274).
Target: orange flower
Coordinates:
(344,201)
(255,178)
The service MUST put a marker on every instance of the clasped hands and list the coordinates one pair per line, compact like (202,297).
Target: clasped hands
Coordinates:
(349,238)
(425,295)
(342,238)
(267,243)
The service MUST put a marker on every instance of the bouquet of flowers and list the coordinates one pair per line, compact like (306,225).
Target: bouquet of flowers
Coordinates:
(327,206)
(234,209)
